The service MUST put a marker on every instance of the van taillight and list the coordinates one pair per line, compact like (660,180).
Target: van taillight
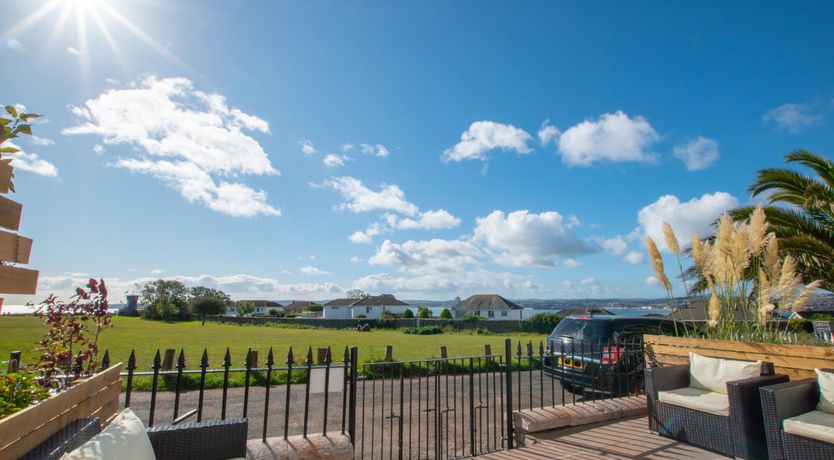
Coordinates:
(611,355)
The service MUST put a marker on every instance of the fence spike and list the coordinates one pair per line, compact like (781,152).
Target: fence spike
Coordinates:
(227,360)
(309,356)
(131,361)
(347,355)
(270,360)
(248,361)
(157,361)
(105,362)
(204,359)
(328,358)
(290,358)
(181,359)
(518,349)
(541,348)
(530,349)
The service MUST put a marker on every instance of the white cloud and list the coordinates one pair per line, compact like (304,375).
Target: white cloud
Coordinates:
(378,150)
(688,218)
(616,245)
(347,147)
(484,136)
(791,117)
(333,160)
(41,140)
(587,287)
(429,220)
(188,139)
(614,137)
(652,280)
(572,263)
(356,259)
(359,198)
(427,256)
(365,237)
(98,149)
(449,284)
(698,153)
(307,146)
(312,271)
(30,162)
(526,239)
(548,133)
(238,286)
(634,257)
(73,50)
(157,271)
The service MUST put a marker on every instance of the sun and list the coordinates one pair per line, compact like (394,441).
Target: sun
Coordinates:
(103,14)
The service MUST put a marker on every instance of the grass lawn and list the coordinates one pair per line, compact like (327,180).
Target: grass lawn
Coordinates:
(20,333)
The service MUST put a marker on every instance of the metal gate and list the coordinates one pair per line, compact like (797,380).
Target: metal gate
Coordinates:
(433,409)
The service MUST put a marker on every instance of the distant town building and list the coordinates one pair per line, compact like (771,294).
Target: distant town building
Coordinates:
(298,306)
(489,306)
(370,307)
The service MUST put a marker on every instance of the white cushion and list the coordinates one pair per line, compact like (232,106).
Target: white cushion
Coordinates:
(826,384)
(712,374)
(697,399)
(123,439)
(816,424)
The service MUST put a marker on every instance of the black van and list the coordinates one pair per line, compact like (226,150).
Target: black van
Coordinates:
(602,353)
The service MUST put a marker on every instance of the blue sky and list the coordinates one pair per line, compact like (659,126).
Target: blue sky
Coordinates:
(296,150)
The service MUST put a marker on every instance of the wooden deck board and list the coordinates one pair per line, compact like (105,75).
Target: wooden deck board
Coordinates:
(619,439)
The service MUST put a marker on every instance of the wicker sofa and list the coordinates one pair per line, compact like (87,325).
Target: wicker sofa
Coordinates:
(739,434)
(210,440)
(785,401)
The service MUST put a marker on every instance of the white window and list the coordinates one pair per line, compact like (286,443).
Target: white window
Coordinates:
(491,314)
(503,314)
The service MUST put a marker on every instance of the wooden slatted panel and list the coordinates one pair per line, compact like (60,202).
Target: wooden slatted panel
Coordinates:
(10,213)
(796,361)
(14,280)
(5,176)
(99,395)
(14,248)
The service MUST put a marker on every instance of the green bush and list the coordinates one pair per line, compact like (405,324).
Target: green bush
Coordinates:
(469,317)
(408,314)
(19,390)
(360,317)
(386,314)
(821,317)
(424,330)
(446,314)
(423,313)
(542,323)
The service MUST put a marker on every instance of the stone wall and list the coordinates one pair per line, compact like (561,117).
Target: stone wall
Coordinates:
(494,326)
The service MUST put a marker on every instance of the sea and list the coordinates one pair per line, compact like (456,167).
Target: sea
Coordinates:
(435,311)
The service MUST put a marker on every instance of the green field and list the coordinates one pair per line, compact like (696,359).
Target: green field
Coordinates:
(21,333)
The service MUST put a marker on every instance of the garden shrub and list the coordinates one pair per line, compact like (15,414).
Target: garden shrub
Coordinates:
(541,323)
(19,390)
(423,330)
(446,314)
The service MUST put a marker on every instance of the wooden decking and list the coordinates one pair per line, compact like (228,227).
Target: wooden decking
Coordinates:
(619,439)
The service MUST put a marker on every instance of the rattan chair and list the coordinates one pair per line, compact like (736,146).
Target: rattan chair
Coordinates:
(210,440)
(785,401)
(741,434)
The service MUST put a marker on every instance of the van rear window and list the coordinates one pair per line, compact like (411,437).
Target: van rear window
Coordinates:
(583,329)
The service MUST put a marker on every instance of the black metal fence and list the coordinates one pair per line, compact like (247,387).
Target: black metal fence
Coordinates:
(440,408)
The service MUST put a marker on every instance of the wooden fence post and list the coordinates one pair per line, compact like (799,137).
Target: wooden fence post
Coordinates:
(321,353)
(443,353)
(487,350)
(389,353)
(168,359)
(254,358)
(14,361)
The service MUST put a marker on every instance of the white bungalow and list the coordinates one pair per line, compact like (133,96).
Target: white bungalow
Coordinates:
(488,306)
(370,307)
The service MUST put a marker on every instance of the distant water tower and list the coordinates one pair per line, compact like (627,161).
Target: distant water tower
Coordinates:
(132,302)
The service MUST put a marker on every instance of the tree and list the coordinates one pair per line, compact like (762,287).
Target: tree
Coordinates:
(244,308)
(408,314)
(423,312)
(356,294)
(446,314)
(209,305)
(12,128)
(314,308)
(165,300)
(800,213)
(202,291)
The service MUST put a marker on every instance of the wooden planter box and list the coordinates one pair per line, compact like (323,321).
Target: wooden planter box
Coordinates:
(796,361)
(97,396)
